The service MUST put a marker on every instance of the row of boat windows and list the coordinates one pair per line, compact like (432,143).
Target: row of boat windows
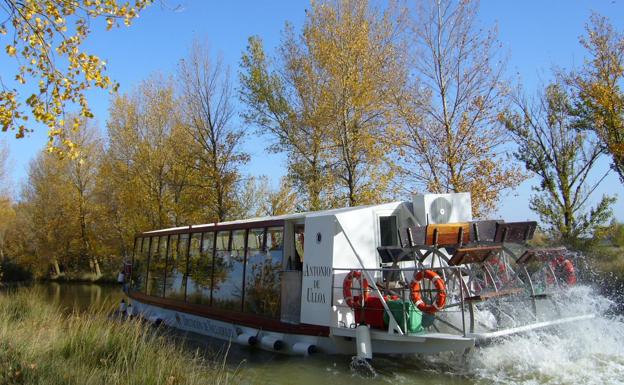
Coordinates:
(235,270)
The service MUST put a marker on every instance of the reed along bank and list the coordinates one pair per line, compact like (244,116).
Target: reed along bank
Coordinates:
(42,344)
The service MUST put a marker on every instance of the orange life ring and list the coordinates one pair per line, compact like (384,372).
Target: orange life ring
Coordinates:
(562,264)
(347,284)
(416,298)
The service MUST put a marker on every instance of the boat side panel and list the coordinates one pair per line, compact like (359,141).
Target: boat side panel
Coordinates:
(239,318)
(317,270)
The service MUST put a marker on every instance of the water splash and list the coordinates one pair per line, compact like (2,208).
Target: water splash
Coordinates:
(587,352)
(361,367)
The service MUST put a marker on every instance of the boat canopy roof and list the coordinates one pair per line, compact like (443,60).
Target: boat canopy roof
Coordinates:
(285,217)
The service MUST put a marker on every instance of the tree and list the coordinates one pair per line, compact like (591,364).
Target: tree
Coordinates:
(82,171)
(563,159)
(207,112)
(286,104)
(7,214)
(141,128)
(60,203)
(357,50)
(599,85)
(46,38)
(47,195)
(324,100)
(452,140)
(281,201)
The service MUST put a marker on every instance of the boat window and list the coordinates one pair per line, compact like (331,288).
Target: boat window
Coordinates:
(228,275)
(261,277)
(299,242)
(156,275)
(175,277)
(200,268)
(139,265)
(388,231)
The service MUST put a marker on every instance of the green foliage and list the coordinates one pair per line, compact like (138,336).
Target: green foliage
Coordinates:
(40,345)
(599,83)
(324,100)
(563,159)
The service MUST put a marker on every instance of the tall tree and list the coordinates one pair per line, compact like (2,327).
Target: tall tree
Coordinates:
(46,37)
(51,213)
(285,102)
(563,159)
(59,200)
(7,214)
(82,170)
(357,50)
(207,112)
(325,100)
(452,140)
(600,87)
(141,128)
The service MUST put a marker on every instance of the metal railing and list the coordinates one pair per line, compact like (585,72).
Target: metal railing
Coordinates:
(386,291)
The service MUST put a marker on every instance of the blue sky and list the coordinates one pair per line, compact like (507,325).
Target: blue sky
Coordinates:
(537,35)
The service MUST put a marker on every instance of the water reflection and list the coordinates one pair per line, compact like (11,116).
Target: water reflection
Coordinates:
(81,296)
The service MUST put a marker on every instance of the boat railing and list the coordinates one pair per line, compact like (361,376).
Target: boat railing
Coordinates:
(474,304)
(389,305)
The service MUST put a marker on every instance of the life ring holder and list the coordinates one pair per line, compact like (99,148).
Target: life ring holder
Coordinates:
(347,284)
(415,290)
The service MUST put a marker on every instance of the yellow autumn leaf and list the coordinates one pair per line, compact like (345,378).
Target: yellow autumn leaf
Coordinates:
(10,50)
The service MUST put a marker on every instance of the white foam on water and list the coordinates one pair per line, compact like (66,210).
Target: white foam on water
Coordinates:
(587,352)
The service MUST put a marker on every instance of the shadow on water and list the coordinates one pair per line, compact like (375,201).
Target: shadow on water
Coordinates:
(584,353)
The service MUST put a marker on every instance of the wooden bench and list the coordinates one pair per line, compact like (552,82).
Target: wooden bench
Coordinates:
(484,231)
(454,237)
(466,255)
(541,255)
(515,232)
(452,234)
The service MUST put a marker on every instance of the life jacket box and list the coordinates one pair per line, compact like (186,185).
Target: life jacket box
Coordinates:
(399,308)
(372,314)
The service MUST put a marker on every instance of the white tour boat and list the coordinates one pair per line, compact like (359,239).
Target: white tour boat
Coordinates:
(394,278)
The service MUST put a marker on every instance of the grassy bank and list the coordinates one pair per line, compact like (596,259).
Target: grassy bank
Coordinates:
(40,345)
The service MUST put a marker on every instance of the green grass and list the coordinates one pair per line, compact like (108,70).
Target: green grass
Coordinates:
(41,345)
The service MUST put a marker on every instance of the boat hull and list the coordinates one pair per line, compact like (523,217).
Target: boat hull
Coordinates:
(339,341)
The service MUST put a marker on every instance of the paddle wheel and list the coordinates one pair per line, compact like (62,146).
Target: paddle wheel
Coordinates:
(479,279)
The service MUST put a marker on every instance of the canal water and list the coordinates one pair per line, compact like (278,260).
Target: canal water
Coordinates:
(590,352)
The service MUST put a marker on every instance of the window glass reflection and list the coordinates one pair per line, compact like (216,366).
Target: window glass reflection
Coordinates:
(200,266)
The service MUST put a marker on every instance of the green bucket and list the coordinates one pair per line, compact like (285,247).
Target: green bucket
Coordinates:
(398,309)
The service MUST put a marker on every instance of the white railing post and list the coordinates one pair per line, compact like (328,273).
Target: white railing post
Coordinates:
(394,326)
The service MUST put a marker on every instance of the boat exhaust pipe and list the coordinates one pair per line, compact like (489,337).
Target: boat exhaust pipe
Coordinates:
(272,343)
(246,339)
(363,342)
(304,348)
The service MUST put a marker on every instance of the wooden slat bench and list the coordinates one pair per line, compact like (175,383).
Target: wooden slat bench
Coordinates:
(541,255)
(479,254)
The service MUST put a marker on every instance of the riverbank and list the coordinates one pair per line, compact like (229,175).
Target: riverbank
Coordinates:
(39,344)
